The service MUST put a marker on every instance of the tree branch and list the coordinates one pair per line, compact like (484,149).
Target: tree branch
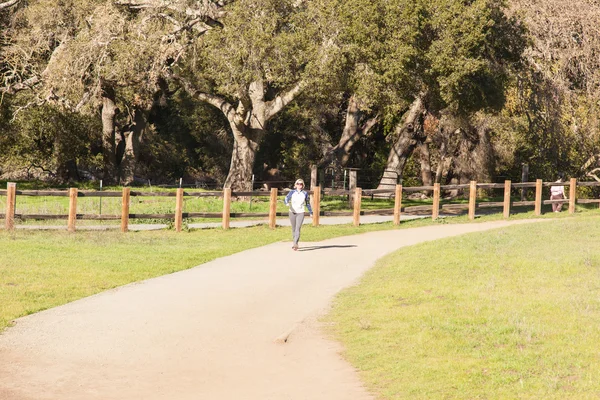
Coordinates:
(19,86)
(591,174)
(208,12)
(588,163)
(8,4)
(34,103)
(213,100)
(369,124)
(277,104)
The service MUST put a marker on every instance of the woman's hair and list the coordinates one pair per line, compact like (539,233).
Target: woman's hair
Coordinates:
(299,181)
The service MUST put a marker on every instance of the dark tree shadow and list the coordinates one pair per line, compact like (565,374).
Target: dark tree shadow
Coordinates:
(333,246)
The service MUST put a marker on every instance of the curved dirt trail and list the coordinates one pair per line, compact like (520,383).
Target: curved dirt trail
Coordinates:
(212,332)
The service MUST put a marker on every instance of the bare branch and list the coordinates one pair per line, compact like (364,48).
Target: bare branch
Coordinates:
(84,100)
(591,174)
(277,104)
(35,80)
(588,163)
(8,4)
(31,104)
(198,24)
(209,12)
(369,124)
(142,4)
(19,86)
(215,101)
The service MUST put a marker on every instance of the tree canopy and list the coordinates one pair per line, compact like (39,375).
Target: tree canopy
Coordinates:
(444,90)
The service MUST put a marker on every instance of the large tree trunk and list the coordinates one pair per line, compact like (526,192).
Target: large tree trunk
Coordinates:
(407,135)
(444,166)
(353,131)
(482,156)
(461,170)
(247,135)
(109,113)
(248,122)
(425,160)
(132,137)
(472,159)
(244,152)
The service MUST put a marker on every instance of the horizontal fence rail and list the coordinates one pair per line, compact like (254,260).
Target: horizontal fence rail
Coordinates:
(354,195)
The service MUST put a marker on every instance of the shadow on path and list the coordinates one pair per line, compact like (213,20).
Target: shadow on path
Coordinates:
(336,246)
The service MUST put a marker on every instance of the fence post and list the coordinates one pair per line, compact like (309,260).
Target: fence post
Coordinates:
(472,199)
(273,209)
(226,207)
(11,200)
(357,200)
(397,204)
(507,185)
(72,209)
(538,197)
(572,195)
(179,210)
(316,205)
(125,209)
(435,212)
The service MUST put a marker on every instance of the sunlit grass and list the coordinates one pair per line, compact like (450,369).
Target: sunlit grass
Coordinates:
(506,314)
(39,270)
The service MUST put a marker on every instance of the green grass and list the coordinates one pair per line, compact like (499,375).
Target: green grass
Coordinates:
(39,269)
(44,269)
(507,314)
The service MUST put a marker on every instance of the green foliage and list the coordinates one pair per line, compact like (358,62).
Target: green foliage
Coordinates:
(261,40)
(52,142)
(464,55)
(78,43)
(473,46)
(534,128)
(378,44)
(188,139)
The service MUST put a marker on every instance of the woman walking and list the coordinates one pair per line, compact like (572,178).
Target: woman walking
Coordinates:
(297,199)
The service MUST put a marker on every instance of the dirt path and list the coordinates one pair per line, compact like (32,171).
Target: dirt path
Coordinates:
(212,332)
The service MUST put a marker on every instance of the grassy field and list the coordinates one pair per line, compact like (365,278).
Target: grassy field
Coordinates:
(507,314)
(39,269)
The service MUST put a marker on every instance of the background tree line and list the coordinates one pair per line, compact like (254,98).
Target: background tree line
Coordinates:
(431,91)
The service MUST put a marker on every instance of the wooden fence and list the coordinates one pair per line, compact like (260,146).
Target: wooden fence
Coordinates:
(357,194)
